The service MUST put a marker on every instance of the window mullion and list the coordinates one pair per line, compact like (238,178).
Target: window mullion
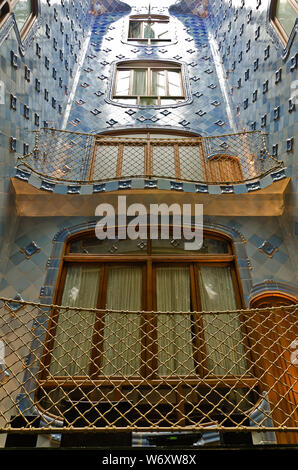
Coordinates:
(149,82)
(142,30)
(167,83)
(131,78)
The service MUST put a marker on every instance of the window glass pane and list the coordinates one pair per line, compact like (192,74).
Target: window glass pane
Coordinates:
(73,337)
(148,101)
(177,246)
(22,11)
(159,83)
(94,246)
(174,78)
(223,336)
(164,161)
(122,332)
(161,30)
(216,288)
(148,30)
(174,331)
(286,15)
(147,86)
(191,157)
(105,161)
(133,160)
(123,80)
(134,29)
(139,82)
(173,289)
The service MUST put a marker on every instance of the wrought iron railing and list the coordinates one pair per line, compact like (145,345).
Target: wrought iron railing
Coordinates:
(148,371)
(84,158)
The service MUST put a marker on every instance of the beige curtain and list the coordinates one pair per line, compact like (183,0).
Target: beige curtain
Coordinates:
(139,82)
(224,344)
(174,331)
(122,334)
(73,339)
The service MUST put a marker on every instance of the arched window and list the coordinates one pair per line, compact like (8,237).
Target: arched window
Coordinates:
(142,332)
(283,14)
(141,277)
(25,12)
(272,299)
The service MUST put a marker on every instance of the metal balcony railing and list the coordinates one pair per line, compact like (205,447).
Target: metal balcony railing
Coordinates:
(63,156)
(148,371)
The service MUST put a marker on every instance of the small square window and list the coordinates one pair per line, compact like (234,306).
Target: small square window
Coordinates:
(149,29)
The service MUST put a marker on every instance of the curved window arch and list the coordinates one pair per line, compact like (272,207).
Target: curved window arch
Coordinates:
(139,276)
(272,299)
(283,15)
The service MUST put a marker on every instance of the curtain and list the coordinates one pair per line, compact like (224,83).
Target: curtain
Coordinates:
(73,338)
(122,334)
(159,83)
(139,82)
(149,31)
(224,346)
(173,330)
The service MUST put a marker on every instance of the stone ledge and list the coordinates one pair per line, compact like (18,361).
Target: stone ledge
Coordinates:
(33,202)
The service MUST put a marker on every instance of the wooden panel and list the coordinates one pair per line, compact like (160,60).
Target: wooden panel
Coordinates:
(223,168)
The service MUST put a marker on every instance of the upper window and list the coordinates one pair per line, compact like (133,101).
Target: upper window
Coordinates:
(25,11)
(283,17)
(149,29)
(149,83)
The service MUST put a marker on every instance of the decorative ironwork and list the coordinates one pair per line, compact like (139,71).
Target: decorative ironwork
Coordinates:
(63,156)
(253,389)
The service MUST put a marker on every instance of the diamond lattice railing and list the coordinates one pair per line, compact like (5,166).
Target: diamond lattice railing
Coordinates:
(69,369)
(83,158)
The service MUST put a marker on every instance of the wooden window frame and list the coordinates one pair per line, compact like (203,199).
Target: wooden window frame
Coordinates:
(272,299)
(148,66)
(277,24)
(144,19)
(148,354)
(10,5)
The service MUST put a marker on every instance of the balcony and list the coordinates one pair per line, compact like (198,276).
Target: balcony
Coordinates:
(76,158)
(226,372)
(226,173)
